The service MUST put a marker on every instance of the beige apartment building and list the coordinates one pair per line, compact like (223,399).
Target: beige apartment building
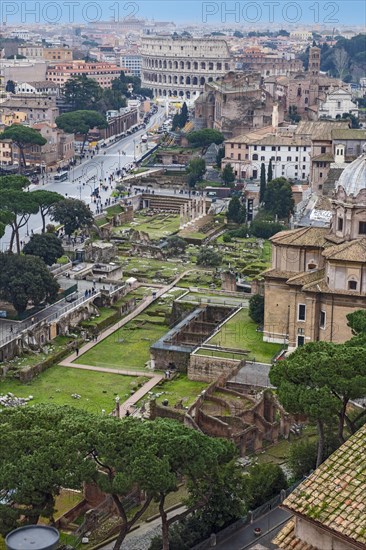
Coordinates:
(103,73)
(35,109)
(49,54)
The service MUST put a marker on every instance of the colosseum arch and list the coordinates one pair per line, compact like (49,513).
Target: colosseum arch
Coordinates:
(160,64)
(175,80)
(175,64)
(210,66)
(181,80)
(195,65)
(188,64)
(203,65)
(195,81)
(164,93)
(182,64)
(169,79)
(159,77)
(202,80)
(181,93)
(164,64)
(188,80)
(170,64)
(219,66)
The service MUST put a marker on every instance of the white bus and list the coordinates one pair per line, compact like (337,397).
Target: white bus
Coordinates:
(61,176)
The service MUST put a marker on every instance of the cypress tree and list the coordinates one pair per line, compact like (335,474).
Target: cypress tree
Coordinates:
(262,188)
(270,171)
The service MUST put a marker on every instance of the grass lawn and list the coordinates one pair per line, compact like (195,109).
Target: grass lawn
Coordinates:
(127,348)
(179,388)
(150,270)
(56,385)
(278,454)
(240,333)
(157,226)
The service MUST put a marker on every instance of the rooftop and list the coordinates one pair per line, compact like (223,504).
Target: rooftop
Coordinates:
(320,129)
(349,133)
(314,237)
(334,495)
(352,251)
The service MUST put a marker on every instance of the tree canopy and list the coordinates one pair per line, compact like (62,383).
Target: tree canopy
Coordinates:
(203,138)
(46,200)
(256,308)
(46,246)
(73,214)
(278,198)
(180,119)
(176,245)
(81,122)
(236,211)
(228,176)
(23,137)
(25,279)
(208,257)
(319,379)
(43,449)
(196,170)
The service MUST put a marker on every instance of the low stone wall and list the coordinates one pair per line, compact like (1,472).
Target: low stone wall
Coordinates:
(159,411)
(28,373)
(213,426)
(207,369)
(163,357)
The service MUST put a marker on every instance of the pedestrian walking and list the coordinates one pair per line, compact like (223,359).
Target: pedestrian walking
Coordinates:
(77,351)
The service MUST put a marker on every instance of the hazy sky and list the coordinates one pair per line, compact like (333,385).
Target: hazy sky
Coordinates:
(247,14)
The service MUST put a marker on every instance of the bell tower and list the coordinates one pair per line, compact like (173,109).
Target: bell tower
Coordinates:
(313,71)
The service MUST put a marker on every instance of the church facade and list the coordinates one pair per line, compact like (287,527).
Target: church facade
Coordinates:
(318,275)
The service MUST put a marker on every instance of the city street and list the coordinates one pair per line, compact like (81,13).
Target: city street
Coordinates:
(87,176)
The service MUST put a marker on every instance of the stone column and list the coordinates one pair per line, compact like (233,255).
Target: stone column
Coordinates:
(181,217)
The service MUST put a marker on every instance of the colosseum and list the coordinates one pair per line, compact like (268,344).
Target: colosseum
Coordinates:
(180,67)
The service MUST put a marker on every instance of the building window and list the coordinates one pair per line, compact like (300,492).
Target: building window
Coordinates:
(301,312)
(352,285)
(362,228)
(300,341)
(273,147)
(340,224)
(263,147)
(322,150)
(322,319)
(255,157)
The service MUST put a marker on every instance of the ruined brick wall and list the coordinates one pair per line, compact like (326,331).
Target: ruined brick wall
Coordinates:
(207,369)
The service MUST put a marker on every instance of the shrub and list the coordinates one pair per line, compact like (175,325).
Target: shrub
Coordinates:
(256,308)
(263,482)
(302,458)
(265,229)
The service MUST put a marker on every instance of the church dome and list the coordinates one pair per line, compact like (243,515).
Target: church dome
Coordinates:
(353,177)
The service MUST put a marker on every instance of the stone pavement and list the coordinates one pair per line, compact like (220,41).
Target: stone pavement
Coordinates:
(140,538)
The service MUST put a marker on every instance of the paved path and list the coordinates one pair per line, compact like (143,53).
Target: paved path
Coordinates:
(245,538)
(154,378)
(140,539)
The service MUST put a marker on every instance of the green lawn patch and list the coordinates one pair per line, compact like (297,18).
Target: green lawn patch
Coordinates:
(57,384)
(240,332)
(127,348)
(179,388)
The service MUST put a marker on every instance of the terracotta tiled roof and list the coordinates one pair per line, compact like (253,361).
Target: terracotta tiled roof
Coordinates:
(276,273)
(349,133)
(303,236)
(334,495)
(320,129)
(307,277)
(326,157)
(287,540)
(352,251)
